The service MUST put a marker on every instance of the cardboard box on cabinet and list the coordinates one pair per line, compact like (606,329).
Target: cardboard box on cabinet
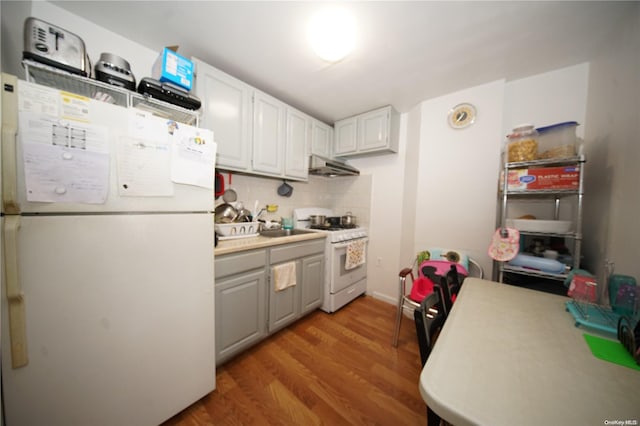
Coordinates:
(170,67)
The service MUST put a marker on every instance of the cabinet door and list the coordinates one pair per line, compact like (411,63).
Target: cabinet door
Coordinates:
(321,139)
(268,134)
(284,305)
(345,134)
(226,109)
(241,302)
(313,283)
(298,135)
(373,130)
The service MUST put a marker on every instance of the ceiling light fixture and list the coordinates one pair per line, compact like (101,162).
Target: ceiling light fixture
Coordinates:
(332,34)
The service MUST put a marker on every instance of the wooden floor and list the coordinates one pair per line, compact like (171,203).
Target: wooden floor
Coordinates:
(332,369)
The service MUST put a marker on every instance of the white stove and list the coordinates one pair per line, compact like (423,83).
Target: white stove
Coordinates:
(335,234)
(342,285)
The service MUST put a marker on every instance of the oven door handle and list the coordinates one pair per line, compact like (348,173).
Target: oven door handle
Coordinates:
(346,243)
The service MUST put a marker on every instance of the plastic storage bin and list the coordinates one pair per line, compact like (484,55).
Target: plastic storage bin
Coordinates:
(538,263)
(557,140)
(522,144)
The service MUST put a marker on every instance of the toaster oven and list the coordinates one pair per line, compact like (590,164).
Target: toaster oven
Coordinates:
(54,46)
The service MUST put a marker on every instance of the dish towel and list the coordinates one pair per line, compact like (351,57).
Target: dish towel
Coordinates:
(284,276)
(356,254)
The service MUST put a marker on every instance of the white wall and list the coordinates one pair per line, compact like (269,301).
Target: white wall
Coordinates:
(449,177)
(387,175)
(12,16)
(548,98)
(612,141)
(458,173)
(341,194)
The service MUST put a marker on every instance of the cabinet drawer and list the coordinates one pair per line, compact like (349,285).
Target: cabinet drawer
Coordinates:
(239,262)
(296,251)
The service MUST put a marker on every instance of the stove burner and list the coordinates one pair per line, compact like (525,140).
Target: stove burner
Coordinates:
(327,227)
(330,227)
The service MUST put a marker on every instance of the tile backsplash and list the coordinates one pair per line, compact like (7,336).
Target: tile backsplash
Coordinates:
(341,194)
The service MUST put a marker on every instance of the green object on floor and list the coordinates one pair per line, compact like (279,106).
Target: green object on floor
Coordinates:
(611,351)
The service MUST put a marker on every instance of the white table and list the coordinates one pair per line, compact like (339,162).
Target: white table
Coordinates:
(512,356)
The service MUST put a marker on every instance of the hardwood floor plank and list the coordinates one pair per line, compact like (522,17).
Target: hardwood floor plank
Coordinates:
(326,369)
(324,376)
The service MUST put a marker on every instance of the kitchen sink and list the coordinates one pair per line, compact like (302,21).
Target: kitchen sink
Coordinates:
(274,233)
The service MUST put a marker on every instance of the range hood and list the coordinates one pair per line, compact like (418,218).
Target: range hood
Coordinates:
(330,168)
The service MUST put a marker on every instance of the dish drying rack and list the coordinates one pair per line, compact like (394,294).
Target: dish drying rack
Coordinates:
(590,314)
(232,231)
(594,316)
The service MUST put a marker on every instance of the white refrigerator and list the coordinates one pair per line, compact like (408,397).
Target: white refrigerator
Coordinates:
(108,268)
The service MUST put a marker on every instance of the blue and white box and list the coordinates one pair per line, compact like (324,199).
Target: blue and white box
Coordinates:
(173,68)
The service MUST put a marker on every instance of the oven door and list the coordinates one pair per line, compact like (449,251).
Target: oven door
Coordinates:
(342,278)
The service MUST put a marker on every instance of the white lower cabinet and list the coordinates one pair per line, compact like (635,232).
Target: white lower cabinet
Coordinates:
(312,293)
(248,308)
(286,306)
(241,302)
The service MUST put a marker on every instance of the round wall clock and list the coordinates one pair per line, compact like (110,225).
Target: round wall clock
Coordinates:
(461,116)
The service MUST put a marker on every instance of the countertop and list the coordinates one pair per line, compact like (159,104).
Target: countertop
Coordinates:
(242,244)
(508,355)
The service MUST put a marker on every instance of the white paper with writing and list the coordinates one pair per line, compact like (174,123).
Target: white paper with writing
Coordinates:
(64,161)
(193,156)
(144,168)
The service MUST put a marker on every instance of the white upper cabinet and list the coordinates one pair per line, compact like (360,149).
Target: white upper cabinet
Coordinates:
(373,132)
(298,136)
(345,133)
(255,132)
(321,139)
(269,115)
(226,109)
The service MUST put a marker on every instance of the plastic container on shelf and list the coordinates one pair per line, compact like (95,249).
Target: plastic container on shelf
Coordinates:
(557,140)
(538,263)
(537,225)
(522,143)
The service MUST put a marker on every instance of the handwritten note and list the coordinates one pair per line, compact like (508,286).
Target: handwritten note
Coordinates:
(64,175)
(144,168)
(64,161)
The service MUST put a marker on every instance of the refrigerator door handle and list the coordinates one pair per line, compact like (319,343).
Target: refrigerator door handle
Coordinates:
(15,296)
(9,141)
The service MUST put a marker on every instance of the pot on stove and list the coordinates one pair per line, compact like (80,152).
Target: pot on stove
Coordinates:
(348,220)
(317,219)
(334,220)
